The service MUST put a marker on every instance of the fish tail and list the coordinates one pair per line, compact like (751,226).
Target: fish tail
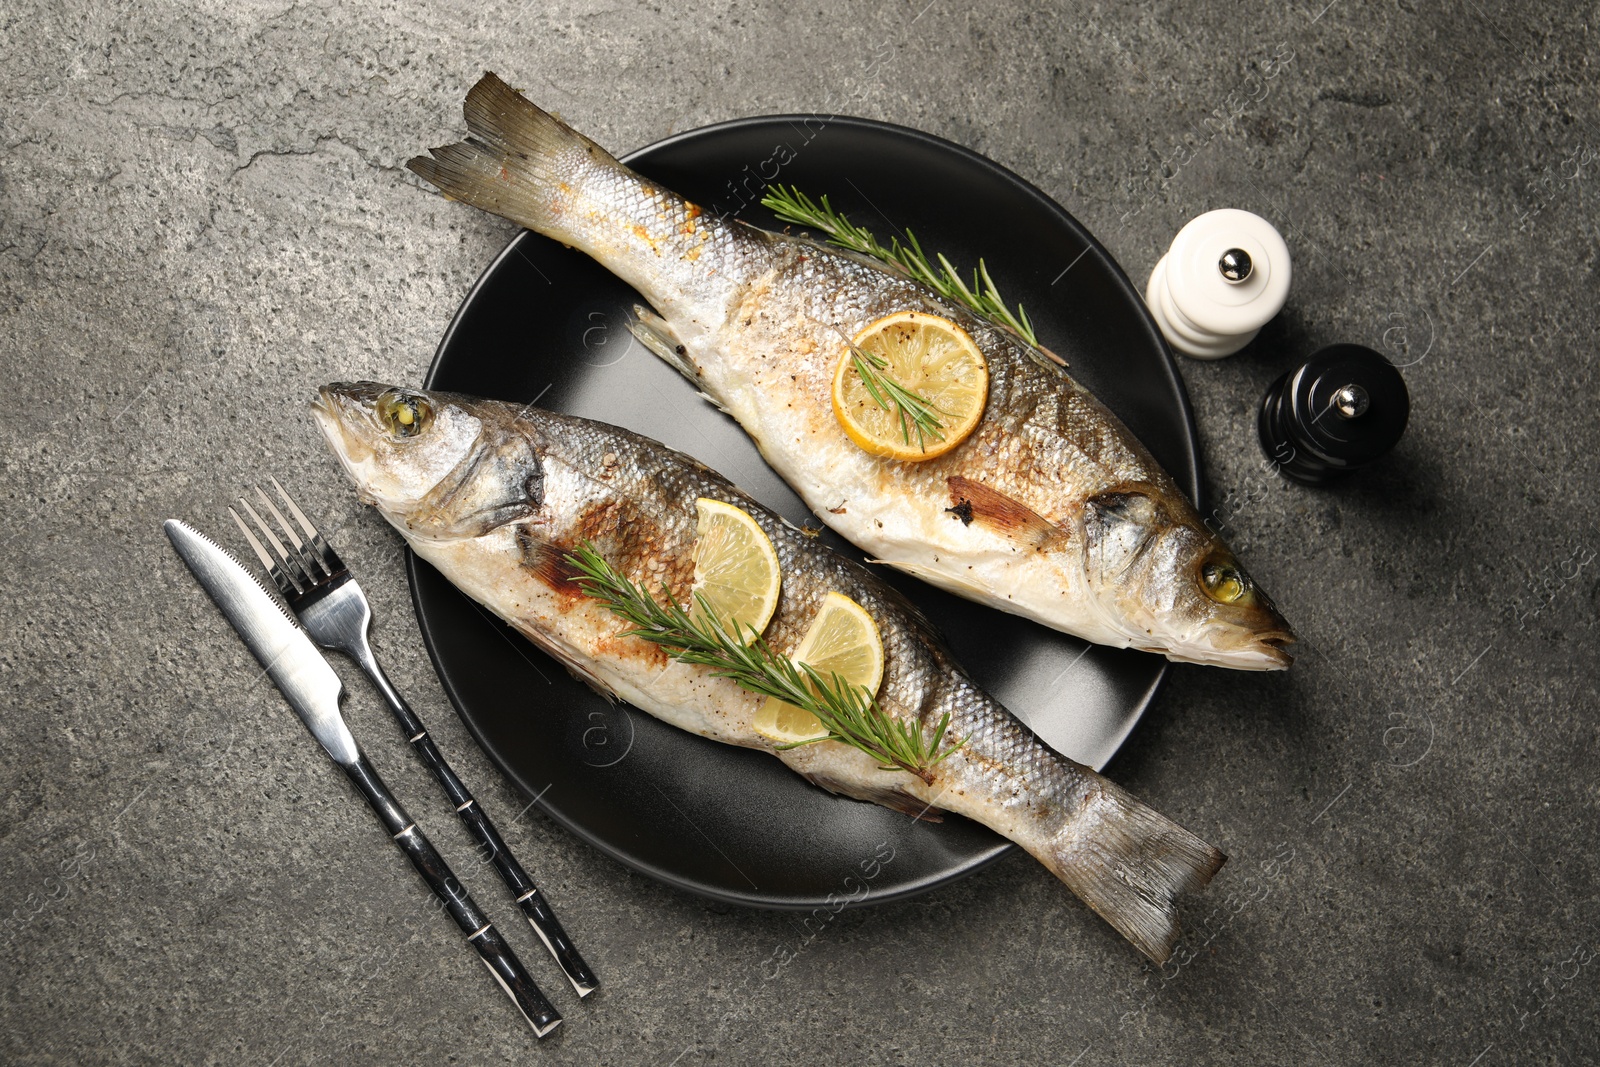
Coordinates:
(1129,863)
(519,162)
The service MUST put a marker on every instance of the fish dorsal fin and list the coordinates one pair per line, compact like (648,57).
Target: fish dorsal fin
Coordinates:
(973,502)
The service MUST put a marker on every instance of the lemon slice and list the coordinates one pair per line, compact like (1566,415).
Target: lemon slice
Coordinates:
(735,567)
(842,639)
(932,357)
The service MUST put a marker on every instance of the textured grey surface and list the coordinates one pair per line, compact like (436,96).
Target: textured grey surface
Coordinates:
(202,216)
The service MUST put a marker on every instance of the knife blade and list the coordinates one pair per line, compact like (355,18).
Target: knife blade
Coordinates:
(279,645)
(303,676)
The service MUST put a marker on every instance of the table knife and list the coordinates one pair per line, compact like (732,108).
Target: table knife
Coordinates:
(303,676)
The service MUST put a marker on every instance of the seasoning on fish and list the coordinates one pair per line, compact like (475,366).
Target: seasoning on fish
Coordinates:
(1049,509)
(498,496)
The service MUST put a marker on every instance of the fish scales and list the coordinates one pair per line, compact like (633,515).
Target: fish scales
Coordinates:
(1051,509)
(496,496)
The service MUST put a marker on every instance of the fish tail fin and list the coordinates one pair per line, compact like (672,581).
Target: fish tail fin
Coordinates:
(1129,863)
(519,162)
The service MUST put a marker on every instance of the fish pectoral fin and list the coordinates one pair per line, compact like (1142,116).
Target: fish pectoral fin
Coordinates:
(888,796)
(656,335)
(547,562)
(974,502)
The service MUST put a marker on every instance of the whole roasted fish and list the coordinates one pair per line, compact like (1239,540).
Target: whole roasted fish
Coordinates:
(1050,509)
(496,496)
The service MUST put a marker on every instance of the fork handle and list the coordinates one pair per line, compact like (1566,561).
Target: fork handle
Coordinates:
(491,846)
(491,946)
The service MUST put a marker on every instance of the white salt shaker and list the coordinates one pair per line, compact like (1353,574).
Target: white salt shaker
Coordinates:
(1225,275)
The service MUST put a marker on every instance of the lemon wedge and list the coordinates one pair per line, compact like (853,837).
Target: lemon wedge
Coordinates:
(735,567)
(842,639)
(930,356)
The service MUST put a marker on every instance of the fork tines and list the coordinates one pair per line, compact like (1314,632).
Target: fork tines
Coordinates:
(308,562)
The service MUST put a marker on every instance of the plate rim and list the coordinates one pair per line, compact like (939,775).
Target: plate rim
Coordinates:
(1192,474)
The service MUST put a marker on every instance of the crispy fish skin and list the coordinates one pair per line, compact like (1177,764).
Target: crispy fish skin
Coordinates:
(1051,509)
(495,496)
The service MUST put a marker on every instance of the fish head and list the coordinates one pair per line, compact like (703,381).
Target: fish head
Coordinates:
(439,466)
(1171,585)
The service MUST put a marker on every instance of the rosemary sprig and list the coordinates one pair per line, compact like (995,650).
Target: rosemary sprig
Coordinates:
(982,296)
(914,411)
(848,712)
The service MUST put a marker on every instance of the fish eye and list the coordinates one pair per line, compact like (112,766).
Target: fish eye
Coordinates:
(1223,580)
(404,414)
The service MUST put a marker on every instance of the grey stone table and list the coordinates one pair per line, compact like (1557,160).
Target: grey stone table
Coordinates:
(202,214)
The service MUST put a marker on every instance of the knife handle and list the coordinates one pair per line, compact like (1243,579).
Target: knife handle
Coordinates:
(491,946)
(491,845)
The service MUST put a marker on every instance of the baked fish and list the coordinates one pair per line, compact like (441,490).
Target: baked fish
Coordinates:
(497,497)
(1050,509)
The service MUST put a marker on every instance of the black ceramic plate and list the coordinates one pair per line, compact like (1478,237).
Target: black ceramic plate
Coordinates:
(547,324)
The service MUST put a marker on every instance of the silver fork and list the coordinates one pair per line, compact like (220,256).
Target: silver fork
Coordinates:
(334,611)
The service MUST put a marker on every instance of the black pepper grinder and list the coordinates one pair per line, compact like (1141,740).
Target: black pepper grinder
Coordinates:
(1345,408)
